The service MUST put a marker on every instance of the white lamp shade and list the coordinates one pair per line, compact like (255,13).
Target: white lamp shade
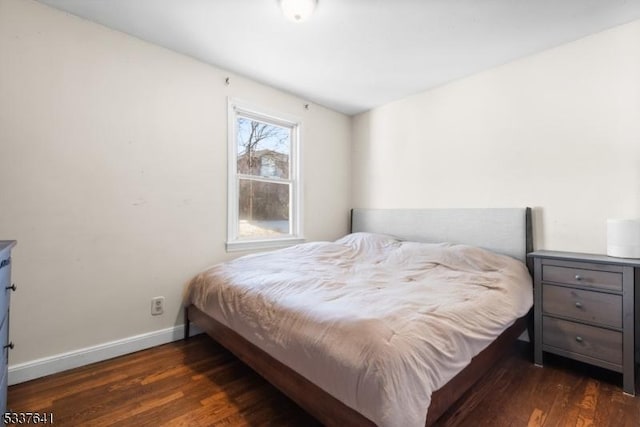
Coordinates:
(623,238)
(297,10)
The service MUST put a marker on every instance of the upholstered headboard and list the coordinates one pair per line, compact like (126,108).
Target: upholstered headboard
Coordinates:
(506,231)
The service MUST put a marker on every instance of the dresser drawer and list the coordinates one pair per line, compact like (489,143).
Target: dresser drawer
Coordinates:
(582,277)
(5,282)
(5,275)
(595,307)
(5,295)
(586,340)
(3,390)
(4,341)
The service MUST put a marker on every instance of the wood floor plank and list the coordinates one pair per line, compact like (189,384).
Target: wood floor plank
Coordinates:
(536,419)
(198,383)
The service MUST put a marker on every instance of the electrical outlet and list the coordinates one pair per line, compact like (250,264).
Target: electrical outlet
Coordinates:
(157,306)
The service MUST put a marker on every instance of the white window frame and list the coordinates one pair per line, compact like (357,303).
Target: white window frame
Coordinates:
(241,108)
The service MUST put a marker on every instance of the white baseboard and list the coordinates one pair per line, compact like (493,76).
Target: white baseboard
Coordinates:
(27,371)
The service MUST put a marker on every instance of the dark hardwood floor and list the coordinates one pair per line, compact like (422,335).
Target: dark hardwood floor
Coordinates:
(198,383)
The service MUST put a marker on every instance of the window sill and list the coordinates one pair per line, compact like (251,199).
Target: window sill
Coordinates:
(249,245)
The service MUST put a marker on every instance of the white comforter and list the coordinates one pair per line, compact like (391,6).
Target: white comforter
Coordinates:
(378,323)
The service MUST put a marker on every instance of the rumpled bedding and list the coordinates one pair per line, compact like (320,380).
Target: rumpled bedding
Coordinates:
(376,322)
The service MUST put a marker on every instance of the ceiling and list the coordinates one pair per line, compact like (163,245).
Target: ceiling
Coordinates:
(353,55)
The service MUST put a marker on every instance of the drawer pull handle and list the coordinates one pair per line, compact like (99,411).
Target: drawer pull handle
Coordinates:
(579,339)
(578,304)
(578,277)
(9,346)
(12,287)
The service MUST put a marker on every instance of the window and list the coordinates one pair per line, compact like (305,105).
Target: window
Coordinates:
(264,185)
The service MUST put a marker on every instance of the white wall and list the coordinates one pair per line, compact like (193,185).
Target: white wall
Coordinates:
(113,169)
(559,131)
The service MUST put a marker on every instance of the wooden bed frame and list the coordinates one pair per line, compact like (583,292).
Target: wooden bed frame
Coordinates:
(326,408)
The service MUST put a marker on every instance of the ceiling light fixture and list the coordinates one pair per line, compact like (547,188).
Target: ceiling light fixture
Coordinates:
(297,10)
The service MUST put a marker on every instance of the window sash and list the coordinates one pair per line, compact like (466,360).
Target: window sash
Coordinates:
(290,232)
(288,126)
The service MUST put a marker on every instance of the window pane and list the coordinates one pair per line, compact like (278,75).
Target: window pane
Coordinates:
(263,149)
(264,209)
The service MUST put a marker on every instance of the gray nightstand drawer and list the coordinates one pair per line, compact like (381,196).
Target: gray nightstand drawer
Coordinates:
(582,277)
(3,390)
(4,342)
(5,276)
(5,282)
(598,343)
(595,307)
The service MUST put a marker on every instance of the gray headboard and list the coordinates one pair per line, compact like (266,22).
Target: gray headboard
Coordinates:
(506,231)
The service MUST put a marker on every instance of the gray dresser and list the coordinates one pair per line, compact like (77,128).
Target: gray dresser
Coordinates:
(585,309)
(6,287)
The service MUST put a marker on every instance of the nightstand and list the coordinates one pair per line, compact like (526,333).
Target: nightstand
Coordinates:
(5,294)
(585,308)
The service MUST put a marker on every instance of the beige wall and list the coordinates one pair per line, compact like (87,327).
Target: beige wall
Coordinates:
(559,131)
(113,169)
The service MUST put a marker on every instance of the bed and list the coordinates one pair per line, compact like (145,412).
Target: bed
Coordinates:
(360,357)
